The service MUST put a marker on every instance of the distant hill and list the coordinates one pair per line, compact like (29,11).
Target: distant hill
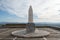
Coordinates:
(3,22)
(36,24)
(10,23)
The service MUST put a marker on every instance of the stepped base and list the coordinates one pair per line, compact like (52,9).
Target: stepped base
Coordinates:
(23,33)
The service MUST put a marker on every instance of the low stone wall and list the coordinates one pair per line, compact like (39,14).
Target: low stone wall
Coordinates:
(24,26)
(14,25)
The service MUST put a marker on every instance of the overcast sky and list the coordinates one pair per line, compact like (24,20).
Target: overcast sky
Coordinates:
(17,10)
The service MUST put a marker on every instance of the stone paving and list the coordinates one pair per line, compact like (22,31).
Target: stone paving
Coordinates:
(5,34)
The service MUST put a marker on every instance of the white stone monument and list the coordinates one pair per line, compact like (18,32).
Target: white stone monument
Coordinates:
(30,30)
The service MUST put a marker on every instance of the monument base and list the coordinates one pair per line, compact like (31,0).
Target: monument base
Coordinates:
(37,33)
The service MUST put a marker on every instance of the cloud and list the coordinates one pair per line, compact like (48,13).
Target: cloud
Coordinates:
(46,10)
(17,7)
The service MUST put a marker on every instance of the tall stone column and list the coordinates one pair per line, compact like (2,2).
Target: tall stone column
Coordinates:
(30,15)
(30,26)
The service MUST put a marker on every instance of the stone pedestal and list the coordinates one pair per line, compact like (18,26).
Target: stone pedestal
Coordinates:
(30,27)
